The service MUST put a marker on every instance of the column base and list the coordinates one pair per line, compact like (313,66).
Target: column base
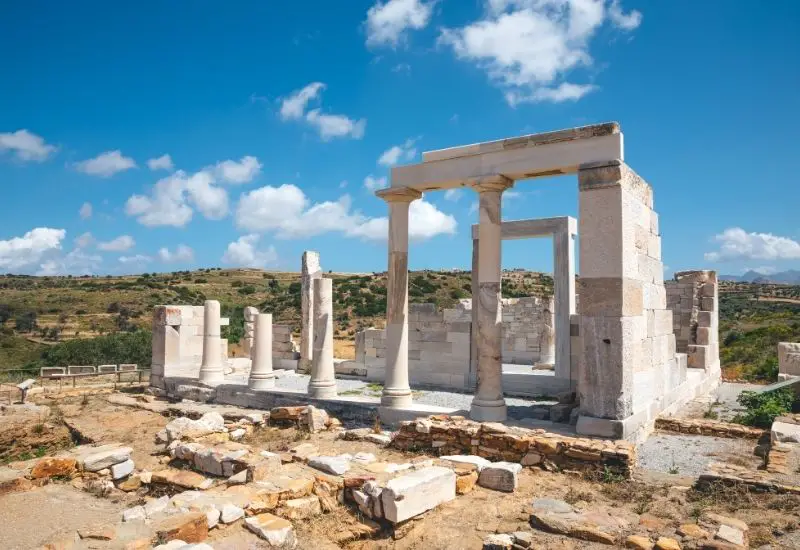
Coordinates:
(324,390)
(396,398)
(266,383)
(212,376)
(488,411)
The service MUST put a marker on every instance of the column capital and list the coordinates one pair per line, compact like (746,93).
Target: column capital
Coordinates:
(496,182)
(399,194)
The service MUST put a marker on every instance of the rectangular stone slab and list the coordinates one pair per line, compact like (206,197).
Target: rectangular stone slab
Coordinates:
(517,162)
(410,495)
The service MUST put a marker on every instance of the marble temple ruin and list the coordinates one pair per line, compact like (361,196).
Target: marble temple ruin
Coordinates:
(631,345)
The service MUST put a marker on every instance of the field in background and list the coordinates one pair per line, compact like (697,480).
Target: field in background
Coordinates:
(41,315)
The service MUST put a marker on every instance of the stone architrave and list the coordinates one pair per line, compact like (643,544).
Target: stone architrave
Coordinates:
(261,375)
(488,405)
(250,314)
(211,371)
(311,270)
(396,390)
(323,382)
(547,337)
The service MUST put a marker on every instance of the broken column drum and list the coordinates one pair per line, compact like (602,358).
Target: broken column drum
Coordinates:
(211,371)
(323,382)
(262,376)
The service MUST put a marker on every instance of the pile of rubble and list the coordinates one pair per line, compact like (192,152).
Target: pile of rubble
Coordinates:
(712,531)
(457,435)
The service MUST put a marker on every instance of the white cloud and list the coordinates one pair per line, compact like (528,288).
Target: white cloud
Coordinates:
(763,270)
(333,126)
(86,211)
(243,171)
(138,259)
(171,199)
(287,212)
(182,254)
(388,22)
(529,48)
(622,20)
(26,146)
(373,184)
(243,253)
(737,244)
(76,262)
(426,221)
(396,153)
(23,252)
(106,164)
(164,162)
(85,240)
(120,244)
(452,194)
(327,126)
(166,205)
(210,200)
(294,106)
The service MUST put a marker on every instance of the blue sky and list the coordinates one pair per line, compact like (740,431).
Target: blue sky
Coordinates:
(279,119)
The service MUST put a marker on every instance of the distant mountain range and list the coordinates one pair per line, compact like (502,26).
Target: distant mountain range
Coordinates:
(791,277)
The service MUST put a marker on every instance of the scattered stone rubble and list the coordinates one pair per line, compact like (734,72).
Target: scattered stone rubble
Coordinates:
(450,435)
(712,531)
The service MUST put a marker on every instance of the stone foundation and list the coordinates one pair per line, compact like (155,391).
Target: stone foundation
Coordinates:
(452,435)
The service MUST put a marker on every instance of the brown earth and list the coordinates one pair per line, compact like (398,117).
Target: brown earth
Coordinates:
(653,504)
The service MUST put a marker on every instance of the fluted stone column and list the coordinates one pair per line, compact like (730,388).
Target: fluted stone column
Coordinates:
(396,391)
(211,371)
(323,380)
(310,270)
(261,375)
(488,404)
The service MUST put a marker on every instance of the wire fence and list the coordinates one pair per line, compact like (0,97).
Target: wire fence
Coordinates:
(17,375)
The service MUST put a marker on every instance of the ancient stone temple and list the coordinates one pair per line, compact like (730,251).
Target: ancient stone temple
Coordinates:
(629,345)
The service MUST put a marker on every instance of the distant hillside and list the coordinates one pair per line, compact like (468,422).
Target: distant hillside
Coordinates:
(36,312)
(50,318)
(790,277)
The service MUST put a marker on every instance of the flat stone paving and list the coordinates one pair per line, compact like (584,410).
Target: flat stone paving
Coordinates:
(293,381)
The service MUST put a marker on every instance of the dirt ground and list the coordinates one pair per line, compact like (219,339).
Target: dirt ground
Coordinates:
(664,501)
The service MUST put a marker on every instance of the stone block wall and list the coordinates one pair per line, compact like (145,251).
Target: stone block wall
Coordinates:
(788,360)
(693,297)
(523,321)
(438,347)
(630,369)
(439,342)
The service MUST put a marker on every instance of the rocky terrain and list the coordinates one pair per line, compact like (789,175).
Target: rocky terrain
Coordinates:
(131,470)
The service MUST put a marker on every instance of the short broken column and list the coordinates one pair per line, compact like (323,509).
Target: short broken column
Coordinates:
(488,405)
(547,337)
(211,371)
(323,380)
(262,376)
(250,314)
(311,270)
(396,390)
